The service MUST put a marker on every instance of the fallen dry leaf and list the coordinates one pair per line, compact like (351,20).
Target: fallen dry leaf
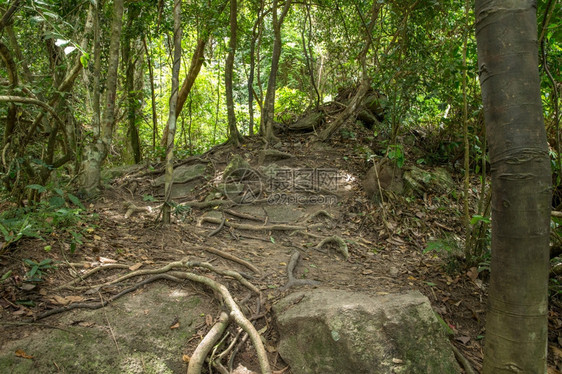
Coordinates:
(175,326)
(185,358)
(105,260)
(135,266)
(208,319)
(22,354)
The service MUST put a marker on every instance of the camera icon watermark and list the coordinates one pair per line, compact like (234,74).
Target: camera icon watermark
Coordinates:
(243,186)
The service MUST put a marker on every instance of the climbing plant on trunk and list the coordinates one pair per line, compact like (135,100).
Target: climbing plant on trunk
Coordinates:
(516,323)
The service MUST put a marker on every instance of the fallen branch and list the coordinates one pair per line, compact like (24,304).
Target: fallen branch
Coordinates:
(198,357)
(291,268)
(342,246)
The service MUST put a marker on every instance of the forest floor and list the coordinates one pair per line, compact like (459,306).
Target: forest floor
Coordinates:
(385,243)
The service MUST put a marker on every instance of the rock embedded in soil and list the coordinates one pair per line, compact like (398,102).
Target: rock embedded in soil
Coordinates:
(336,331)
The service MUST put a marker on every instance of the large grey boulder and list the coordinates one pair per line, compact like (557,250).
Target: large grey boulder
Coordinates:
(183,174)
(335,331)
(420,181)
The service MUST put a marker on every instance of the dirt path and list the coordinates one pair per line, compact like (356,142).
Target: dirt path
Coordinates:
(375,249)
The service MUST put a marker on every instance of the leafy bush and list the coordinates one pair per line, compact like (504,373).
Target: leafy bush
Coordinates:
(58,211)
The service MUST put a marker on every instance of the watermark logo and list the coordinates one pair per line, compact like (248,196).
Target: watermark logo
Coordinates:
(243,186)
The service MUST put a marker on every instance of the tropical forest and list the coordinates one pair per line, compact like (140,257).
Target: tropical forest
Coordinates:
(280,186)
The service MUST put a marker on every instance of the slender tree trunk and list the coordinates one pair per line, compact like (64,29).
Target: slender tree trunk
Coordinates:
(152,95)
(259,21)
(516,322)
(269,105)
(166,208)
(132,95)
(194,68)
(233,134)
(10,64)
(96,153)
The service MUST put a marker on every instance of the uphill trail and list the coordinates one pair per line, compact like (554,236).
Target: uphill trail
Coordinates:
(260,222)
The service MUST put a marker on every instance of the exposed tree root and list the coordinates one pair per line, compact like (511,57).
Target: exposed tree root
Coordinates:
(291,268)
(106,302)
(218,229)
(231,258)
(463,361)
(90,272)
(198,358)
(173,265)
(132,209)
(177,276)
(243,226)
(236,315)
(318,213)
(342,246)
(244,215)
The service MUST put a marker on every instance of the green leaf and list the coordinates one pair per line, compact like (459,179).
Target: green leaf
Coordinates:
(6,276)
(37,187)
(76,201)
(272,239)
(477,218)
(56,202)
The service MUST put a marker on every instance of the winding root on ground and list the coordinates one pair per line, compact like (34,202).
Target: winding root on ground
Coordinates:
(178,276)
(236,314)
(231,258)
(318,213)
(244,226)
(463,361)
(198,357)
(342,246)
(291,268)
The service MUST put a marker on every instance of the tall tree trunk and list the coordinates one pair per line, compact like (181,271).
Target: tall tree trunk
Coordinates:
(152,95)
(269,105)
(254,37)
(194,68)
(96,153)
(516,322)
(166,208)
(233,134)
(132,95)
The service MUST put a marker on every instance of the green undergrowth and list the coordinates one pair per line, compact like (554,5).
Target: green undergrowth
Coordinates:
(57,215)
